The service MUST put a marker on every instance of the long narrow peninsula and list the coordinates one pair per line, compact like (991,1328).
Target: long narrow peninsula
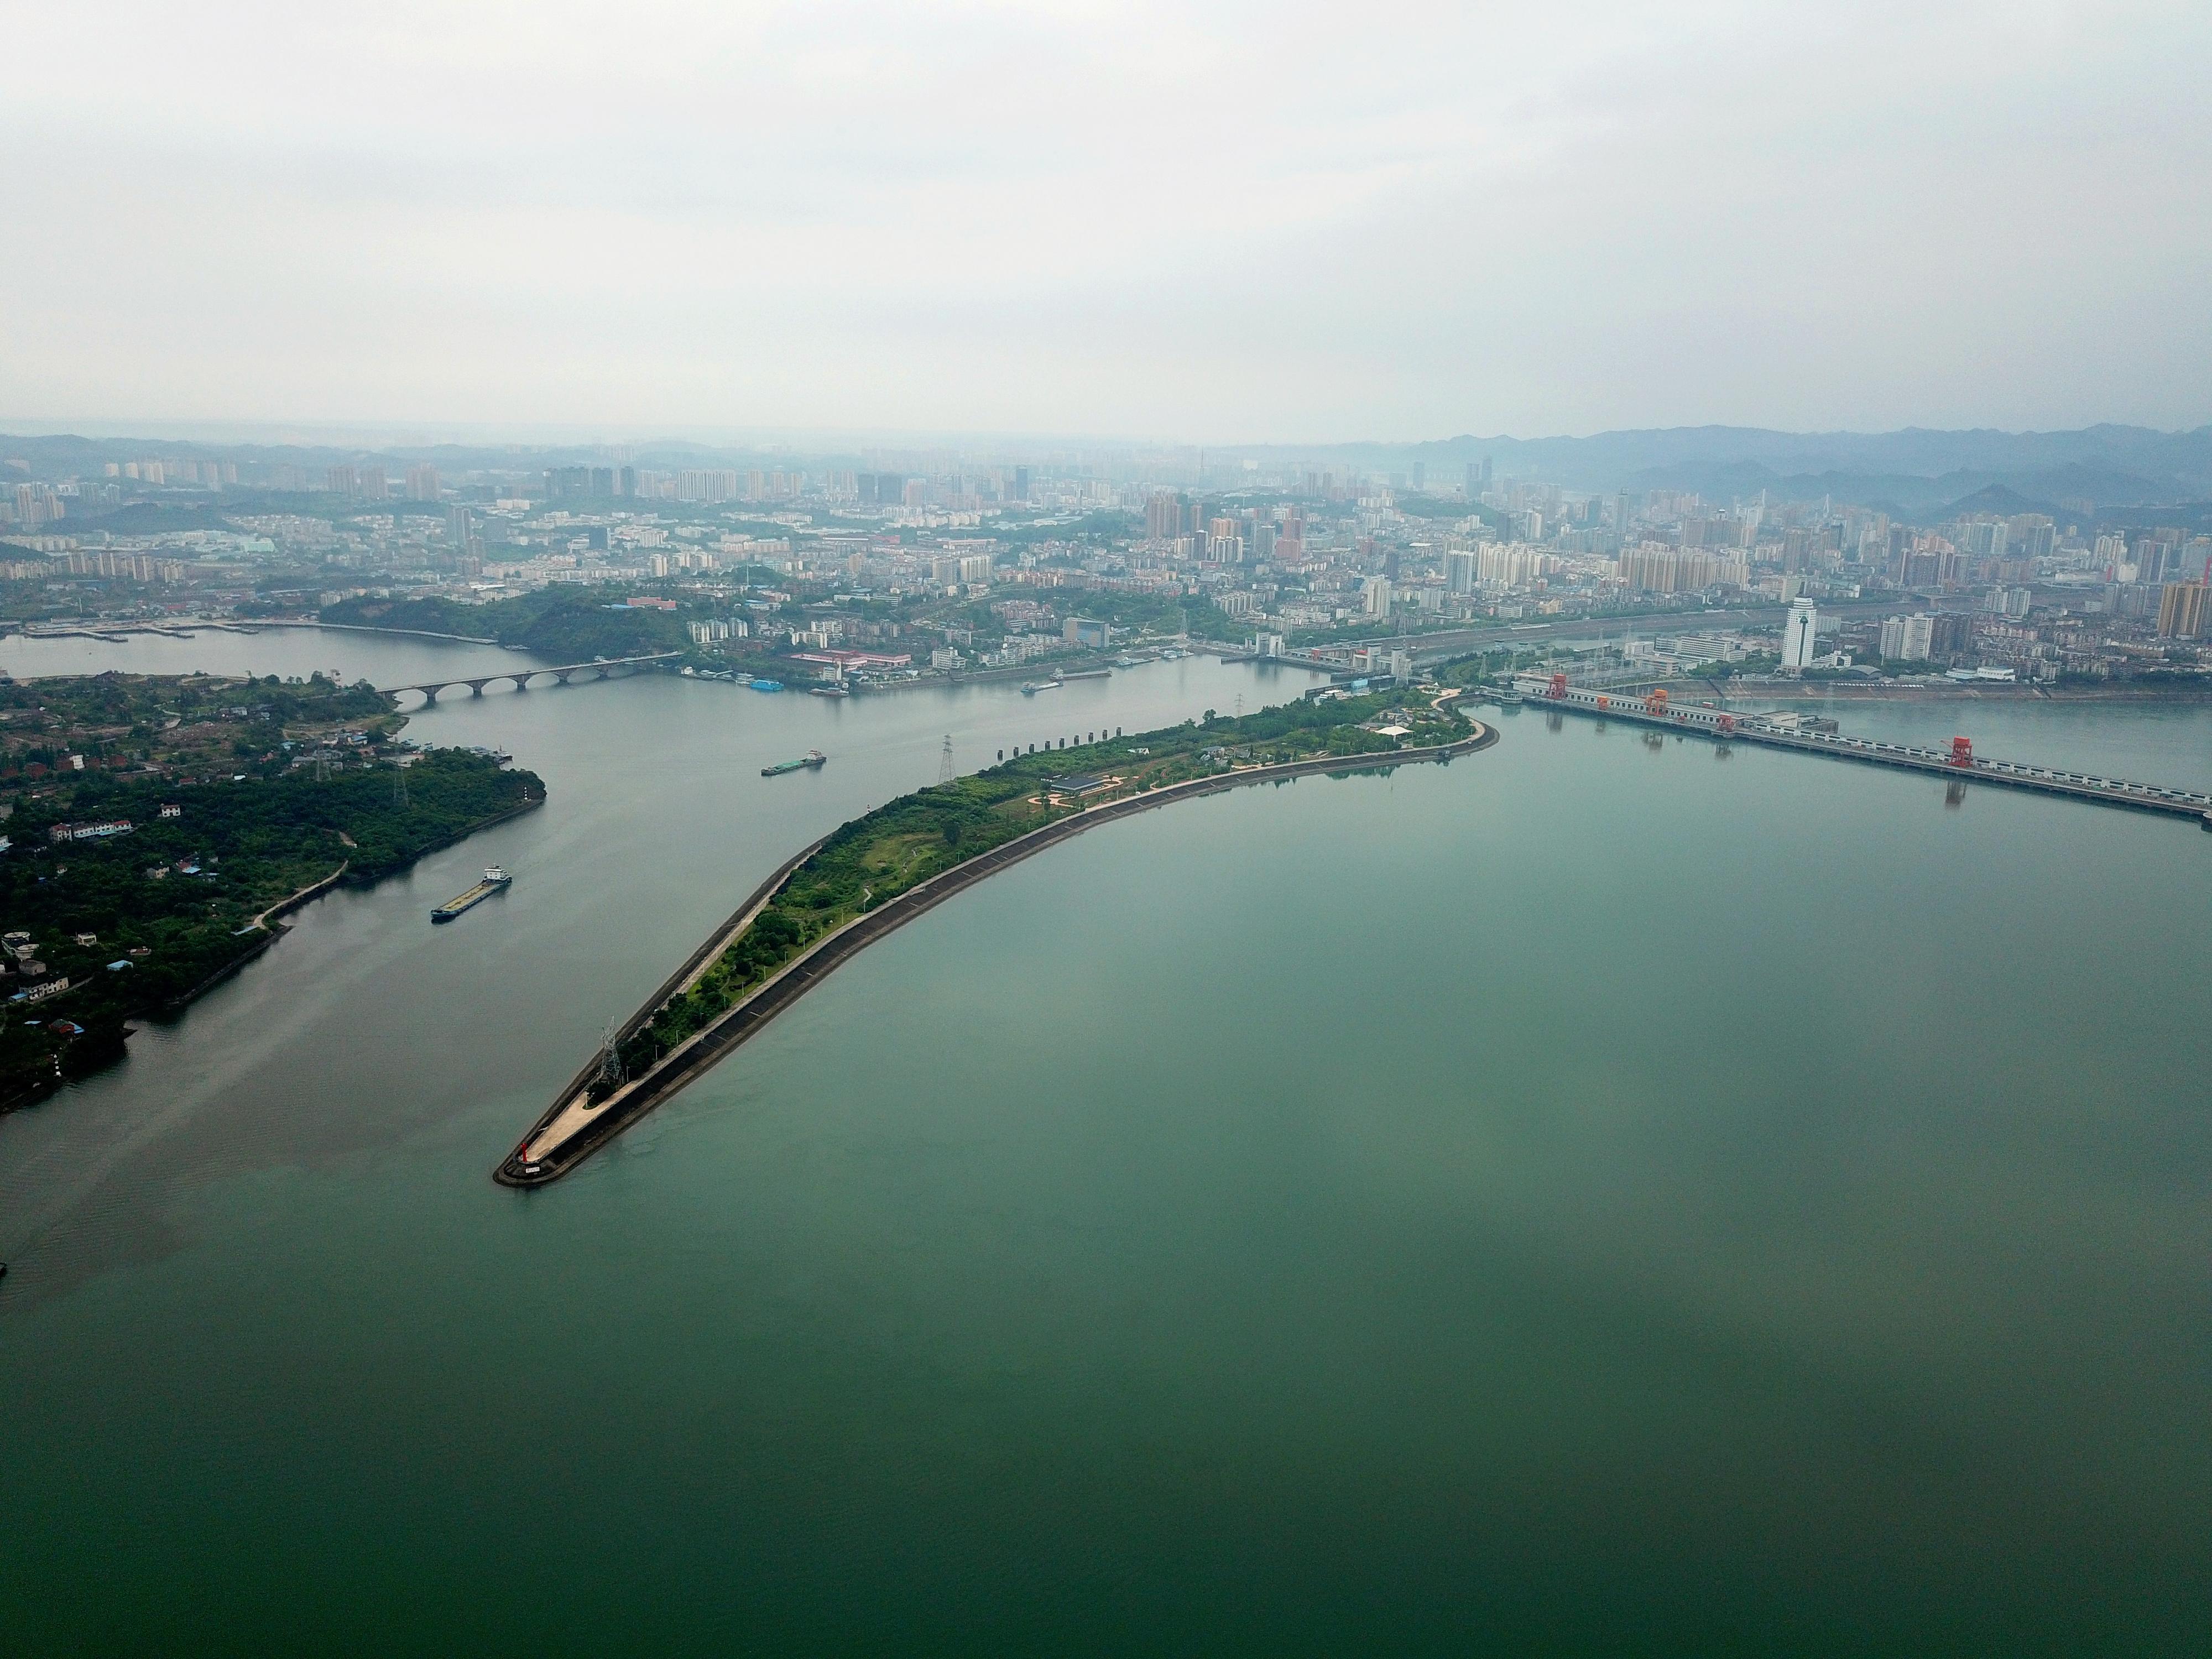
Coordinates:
(832,900)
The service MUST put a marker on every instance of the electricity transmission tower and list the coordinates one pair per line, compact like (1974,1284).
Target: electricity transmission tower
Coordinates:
(945,760)
(400,786)
(610,1066)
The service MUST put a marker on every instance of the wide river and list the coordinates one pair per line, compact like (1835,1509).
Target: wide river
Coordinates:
(1594,1197)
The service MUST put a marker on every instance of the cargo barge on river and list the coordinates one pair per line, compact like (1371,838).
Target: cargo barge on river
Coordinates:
(812,759)
(495,880)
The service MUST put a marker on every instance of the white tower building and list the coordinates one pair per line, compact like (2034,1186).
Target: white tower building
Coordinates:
(1797,634)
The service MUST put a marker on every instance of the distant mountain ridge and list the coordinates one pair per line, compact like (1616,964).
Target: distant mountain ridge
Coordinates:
(1915,471)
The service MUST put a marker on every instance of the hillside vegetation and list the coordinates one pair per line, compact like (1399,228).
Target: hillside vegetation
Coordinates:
(566,623)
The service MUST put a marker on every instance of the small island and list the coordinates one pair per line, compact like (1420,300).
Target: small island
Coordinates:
(881,870)
(160,825)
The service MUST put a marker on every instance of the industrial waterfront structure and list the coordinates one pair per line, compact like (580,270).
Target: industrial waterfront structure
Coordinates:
(1960,761)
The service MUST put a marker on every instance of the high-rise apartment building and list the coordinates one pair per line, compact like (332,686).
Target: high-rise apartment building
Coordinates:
(2033,535)
(422,483)
(36,504)
(1950,634)
(1798,636)
(2182,611)
(1655,569)
(2156,558)
(341,481)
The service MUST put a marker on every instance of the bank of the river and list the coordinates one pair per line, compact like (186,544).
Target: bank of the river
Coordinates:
(181,885)
(158,825)
(693,1021)
(1019,673)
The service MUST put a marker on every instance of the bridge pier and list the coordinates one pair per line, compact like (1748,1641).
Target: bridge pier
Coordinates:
(521,682)
(476,688)
(429,694)
(560,675)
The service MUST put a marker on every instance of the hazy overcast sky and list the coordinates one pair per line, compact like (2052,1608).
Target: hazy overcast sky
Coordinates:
(1196,220)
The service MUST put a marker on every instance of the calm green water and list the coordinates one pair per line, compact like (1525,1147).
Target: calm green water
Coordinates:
(1591,1198)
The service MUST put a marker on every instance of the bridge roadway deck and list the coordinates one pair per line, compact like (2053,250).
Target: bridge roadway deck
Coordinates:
(571,1130)
(522,677)
(1745,729)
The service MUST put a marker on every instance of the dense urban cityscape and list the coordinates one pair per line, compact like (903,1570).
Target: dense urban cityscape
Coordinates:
(904,566)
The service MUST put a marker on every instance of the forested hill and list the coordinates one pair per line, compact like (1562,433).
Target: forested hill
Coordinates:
(571,624)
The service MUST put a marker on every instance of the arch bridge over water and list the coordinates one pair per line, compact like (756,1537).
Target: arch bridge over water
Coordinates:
(600,668)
